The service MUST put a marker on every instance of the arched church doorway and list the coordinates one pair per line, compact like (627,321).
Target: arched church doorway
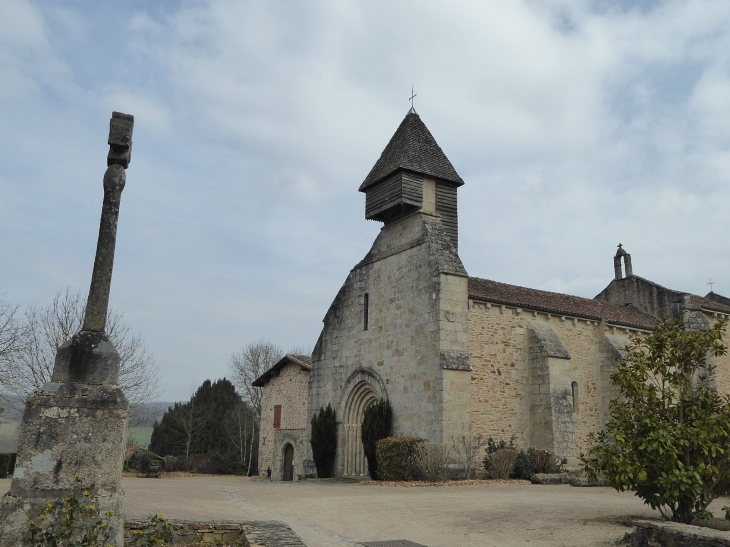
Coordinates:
(289,463)
(363,394)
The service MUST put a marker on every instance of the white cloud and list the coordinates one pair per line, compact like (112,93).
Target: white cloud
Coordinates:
(576,125)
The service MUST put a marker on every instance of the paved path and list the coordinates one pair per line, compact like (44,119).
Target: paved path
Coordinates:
(328,514)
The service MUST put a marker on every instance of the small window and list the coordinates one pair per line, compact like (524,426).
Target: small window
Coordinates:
(365,304)
(574,389)
(277,416)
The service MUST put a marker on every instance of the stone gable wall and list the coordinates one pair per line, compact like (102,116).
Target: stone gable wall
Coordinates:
(288,389)
(417,311)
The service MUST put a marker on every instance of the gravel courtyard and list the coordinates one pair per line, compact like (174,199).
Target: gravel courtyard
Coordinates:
(336,514)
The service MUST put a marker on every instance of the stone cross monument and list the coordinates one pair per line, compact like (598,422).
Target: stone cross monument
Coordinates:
(77,423)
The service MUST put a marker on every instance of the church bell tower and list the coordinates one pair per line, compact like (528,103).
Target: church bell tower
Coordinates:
(413,174)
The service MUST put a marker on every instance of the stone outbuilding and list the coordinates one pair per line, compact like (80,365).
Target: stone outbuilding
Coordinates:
(456,354)
(282,446)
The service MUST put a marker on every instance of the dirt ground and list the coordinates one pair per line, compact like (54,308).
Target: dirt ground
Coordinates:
(336,514)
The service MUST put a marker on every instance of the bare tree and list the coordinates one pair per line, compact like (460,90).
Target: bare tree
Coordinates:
(45,329)
(468,449)
(250,363)
(11,332)
(247,365)
(240,426)
(189,421)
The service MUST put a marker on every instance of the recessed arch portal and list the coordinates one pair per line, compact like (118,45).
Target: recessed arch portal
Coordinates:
(363,388)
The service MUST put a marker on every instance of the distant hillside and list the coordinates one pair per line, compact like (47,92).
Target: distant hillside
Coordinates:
(141,420)
(146,414)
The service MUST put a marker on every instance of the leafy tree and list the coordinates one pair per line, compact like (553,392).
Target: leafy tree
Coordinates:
(376,424)
(668,438)
(324,440)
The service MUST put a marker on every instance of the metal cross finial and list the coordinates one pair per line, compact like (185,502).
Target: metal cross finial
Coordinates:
(619,245)
(711,283)
(413,95)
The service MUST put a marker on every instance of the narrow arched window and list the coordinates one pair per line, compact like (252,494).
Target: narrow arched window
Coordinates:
(574,389)
(365,304)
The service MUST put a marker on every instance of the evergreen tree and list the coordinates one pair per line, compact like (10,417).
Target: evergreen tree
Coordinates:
(324,441)
(376,425)
(202,428)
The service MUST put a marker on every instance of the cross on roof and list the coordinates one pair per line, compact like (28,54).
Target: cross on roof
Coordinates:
(413,95)
(711,283)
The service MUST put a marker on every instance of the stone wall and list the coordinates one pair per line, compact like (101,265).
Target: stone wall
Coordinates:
(414,351)
(672,534)
(288,389)
(522,383)
(243,534)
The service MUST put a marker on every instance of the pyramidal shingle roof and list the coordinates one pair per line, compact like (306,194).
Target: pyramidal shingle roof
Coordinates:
(412,147)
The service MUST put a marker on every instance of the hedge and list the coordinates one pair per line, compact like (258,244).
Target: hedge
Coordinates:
(396,458)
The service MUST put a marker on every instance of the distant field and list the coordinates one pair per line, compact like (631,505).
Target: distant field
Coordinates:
(141,434)
(8,436)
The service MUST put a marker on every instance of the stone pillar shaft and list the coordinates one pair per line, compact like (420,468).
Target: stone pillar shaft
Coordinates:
(97,304)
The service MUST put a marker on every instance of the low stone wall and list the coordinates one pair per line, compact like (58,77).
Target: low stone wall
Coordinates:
(672,534)
(242,534)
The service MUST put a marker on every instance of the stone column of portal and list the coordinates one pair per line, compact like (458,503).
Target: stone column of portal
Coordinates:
(77,423)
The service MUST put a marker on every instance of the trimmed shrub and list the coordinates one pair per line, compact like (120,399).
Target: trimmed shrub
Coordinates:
(501,463)
(523,468)
(5,459)
(141,460)
(544,461)
(433,460)
(493,447)
(324,441)
(396,457)
(376,424)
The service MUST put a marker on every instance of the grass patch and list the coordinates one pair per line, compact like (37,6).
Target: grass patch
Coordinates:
(141,434)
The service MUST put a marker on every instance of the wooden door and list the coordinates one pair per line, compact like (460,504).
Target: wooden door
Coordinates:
(288,463)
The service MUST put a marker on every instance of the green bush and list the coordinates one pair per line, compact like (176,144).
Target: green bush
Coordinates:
(141,460)
(157,532)
(324,441)
(376,424)
(523,468)
(396,457)
(669,431)
(74,521)
(5,460)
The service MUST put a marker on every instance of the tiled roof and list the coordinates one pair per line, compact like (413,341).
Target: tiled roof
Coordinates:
(557,303)
(708,304)
(413,148)
(304,361)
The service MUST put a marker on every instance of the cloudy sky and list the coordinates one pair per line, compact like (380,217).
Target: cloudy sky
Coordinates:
(575,124)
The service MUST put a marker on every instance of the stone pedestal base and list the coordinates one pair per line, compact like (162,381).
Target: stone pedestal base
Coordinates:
(68,430)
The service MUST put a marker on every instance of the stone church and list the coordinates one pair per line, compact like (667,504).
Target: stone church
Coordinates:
(456,354)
